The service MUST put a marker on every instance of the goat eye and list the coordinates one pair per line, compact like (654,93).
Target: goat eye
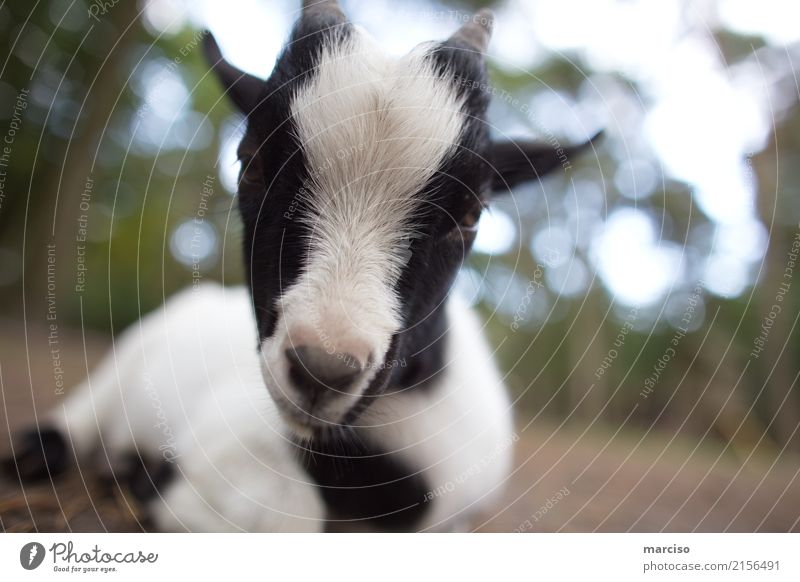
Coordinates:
(469,222)
(250,175)
(467,226)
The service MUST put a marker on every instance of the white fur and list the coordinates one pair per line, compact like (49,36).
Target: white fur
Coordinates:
(374,130)
(458,432)
(184,384)
(235,467)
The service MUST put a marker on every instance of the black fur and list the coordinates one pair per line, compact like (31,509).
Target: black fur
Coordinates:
(37,455)
(361,483)
(42,455)
(274,170)
(144,478)
(459,187)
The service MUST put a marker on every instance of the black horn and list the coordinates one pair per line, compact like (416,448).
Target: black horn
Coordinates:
(332,6)
(477,32)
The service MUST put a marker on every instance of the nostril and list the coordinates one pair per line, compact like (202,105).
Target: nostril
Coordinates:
(313,368)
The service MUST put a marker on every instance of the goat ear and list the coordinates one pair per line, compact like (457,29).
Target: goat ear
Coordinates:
(515,162)
(242,88)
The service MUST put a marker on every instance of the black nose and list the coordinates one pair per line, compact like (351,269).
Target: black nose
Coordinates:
(314,370)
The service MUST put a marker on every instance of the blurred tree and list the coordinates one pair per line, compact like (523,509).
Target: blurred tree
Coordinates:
(123,143)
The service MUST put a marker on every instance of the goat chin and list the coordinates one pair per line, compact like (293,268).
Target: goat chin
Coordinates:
(183,388)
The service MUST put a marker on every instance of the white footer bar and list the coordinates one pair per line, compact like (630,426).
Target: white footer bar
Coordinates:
(401,557)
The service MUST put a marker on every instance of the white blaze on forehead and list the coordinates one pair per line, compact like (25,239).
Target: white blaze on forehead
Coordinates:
(374,130)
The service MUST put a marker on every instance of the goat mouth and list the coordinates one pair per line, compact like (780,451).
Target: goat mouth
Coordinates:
(318,419)
(305,424)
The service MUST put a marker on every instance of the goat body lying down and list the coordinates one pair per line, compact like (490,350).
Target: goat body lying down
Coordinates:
(362,181)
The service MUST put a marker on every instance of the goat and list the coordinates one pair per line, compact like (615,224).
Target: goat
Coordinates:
(362,181)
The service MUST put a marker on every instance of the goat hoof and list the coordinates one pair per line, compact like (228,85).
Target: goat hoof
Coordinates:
(37,455)
(145,477)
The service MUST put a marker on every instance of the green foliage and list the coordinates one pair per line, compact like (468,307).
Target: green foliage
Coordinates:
(88,81)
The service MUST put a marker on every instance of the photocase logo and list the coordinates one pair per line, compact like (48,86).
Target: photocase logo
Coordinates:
(31,555)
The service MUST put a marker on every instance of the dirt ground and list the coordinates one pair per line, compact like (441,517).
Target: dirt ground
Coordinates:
(564,480)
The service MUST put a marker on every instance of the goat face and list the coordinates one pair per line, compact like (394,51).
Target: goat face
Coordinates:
(362,181)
